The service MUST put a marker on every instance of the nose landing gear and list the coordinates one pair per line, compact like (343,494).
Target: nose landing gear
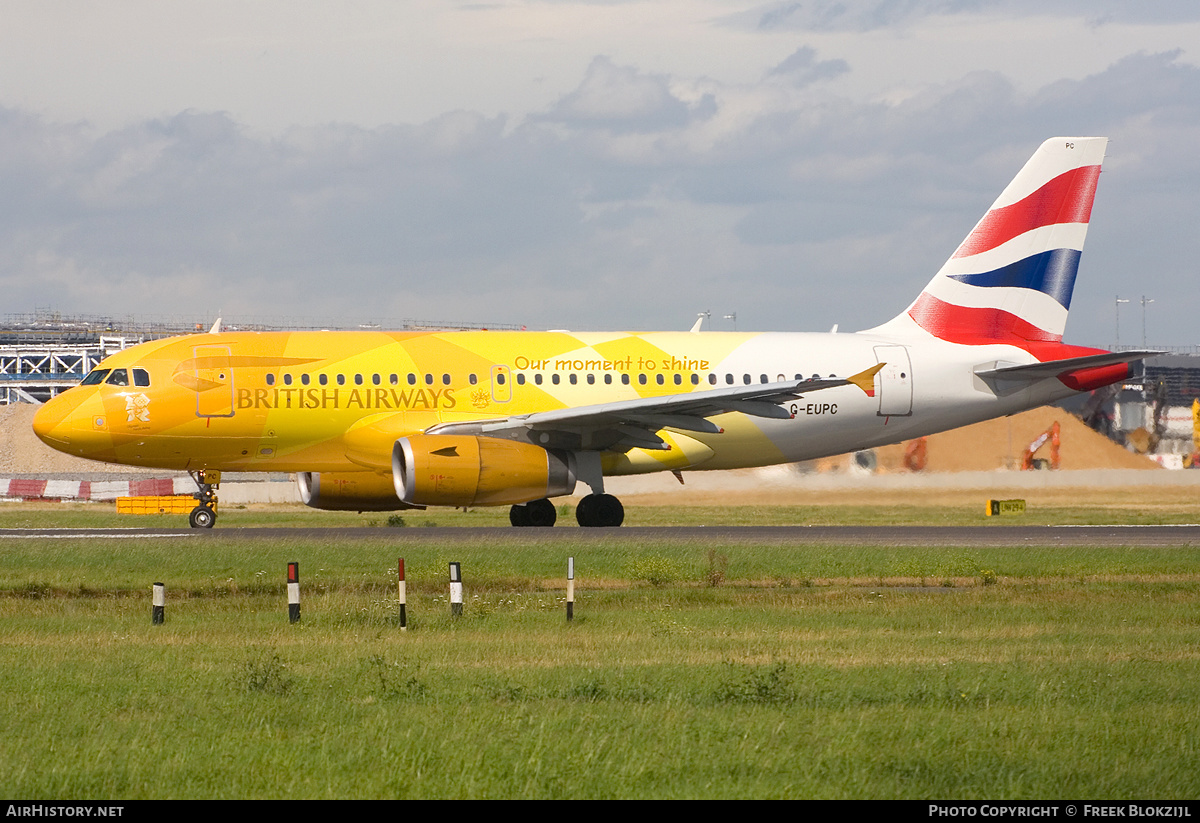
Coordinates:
(204,516)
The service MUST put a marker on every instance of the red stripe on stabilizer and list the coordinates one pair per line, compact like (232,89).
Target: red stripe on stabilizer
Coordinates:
(1065,199)
(975,326)
(1089,379)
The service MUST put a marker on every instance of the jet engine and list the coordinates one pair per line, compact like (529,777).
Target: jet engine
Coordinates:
(463,470)
(349,491)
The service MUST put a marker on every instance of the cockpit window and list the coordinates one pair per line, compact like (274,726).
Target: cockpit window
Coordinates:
(141,377)
(119,377)
(94,377)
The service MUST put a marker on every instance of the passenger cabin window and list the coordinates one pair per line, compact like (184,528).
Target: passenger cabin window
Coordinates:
(270,380)
(95,377)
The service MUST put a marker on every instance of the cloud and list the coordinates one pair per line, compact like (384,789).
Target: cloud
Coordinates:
(838,15)
(634,200)
(802,67)
(620,98)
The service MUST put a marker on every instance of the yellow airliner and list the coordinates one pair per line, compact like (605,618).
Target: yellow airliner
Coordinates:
(393,420)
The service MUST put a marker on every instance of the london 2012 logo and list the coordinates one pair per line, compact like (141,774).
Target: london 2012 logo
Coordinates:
(137,408)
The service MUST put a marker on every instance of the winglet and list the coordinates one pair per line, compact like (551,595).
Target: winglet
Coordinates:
(216,327)
(865,380)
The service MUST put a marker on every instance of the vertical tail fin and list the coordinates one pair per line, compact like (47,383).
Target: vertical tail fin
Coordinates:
(1012,277)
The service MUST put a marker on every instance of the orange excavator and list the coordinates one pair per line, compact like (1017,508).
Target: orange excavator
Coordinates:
(916,454)
(1028,461)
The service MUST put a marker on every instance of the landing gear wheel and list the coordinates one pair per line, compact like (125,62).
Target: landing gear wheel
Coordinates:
(541,513)
(534,513)
(600,510)
(202,517)
(205,513)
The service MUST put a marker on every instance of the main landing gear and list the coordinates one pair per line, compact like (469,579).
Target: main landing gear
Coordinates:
(534,513)
(204,516)
(593,510)
(600,510)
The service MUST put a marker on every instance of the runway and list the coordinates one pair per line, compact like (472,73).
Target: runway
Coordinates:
(1117,535)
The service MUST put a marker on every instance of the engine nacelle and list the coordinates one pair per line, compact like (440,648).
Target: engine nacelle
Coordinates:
(463,470)
(349,491)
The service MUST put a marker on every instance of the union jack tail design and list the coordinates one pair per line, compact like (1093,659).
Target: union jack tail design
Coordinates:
(1011,279)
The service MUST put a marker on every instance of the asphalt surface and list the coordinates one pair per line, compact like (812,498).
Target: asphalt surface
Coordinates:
(1182,536)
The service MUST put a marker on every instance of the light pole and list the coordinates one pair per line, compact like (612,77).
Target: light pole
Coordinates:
(732,317)
(1144,302)
(1119,302)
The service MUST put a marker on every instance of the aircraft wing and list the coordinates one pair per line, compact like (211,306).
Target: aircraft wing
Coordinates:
(631,424)
(1053,368)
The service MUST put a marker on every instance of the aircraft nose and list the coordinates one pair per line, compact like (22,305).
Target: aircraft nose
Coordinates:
(47,421)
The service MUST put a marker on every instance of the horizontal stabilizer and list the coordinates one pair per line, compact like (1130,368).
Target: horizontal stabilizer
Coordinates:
(1054,368)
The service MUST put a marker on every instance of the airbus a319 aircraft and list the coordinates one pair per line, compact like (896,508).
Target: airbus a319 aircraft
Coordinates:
(382,421)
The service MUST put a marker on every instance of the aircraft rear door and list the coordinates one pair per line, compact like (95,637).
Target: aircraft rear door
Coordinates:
(214,381)
(895,381)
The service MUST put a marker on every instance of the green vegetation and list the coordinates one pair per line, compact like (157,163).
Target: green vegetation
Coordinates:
(1145,505)
(692,669)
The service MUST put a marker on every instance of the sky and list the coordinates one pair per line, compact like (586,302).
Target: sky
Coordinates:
(608,164)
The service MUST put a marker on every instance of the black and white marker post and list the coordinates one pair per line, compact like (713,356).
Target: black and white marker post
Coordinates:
(158,609)
(570,588)
(403,616)
(293,592)
(455,590)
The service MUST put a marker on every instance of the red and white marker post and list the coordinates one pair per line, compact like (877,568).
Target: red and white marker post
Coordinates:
(570,588)
(293,586)
(403,598)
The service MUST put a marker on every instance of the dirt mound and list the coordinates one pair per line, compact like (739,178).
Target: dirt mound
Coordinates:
(22,453)
(998,444)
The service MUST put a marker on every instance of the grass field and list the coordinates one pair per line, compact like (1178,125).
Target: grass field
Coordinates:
(692,669)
